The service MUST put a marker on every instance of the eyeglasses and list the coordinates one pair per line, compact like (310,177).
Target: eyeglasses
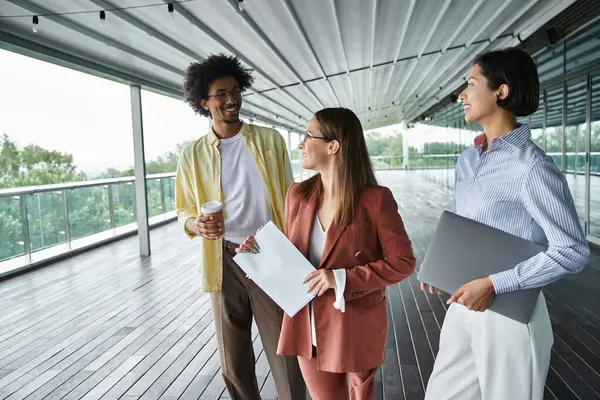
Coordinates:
(223,95)
(307,136)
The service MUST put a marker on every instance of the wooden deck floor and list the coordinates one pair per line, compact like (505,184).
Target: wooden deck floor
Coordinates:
(107,324)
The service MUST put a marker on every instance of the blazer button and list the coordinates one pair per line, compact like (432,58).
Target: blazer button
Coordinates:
(358,254)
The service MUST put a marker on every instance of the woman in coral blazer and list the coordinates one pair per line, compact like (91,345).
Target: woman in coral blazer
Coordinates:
(350,230)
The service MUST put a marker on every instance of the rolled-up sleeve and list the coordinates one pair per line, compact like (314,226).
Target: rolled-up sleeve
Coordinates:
(547,198)
(185,201)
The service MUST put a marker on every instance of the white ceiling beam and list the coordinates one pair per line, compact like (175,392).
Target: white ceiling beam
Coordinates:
(486,46)
(92,34)
(373,25)
(449,42)
(408,75)
(411,8)
(250,22)
(461,53)
(127,17)
(191,18)
(339,30)
(295,20)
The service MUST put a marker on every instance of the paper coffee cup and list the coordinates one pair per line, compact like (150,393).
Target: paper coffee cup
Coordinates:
(215,210)
(211,207)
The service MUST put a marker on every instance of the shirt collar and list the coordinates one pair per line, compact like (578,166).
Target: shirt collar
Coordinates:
(247,130)
(517,138)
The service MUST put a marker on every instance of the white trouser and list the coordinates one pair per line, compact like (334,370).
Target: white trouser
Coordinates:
(484,355)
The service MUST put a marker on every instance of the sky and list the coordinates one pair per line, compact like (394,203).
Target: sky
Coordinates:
(61,109)
(89,117)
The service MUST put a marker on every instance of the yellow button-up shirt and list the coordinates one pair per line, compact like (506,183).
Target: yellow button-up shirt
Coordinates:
(198,180)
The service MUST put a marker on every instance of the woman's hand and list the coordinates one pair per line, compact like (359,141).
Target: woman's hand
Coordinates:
(476,295)
(248,246)
(425,287)
(321,281)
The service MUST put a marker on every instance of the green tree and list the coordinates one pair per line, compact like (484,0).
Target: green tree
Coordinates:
(443,148)
(168,161)
(381,146)
(113,173)
(46,222)
(376,144)
(34,165)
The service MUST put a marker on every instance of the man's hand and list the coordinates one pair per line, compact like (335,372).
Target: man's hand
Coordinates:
(206,227)
(476,295)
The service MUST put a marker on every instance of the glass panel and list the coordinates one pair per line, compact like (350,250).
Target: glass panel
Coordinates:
(554,125)
(12,242)
(595,160)
(154,197)
(170,125)
(46,218)
(169,188)
(88,211)
(536,124)
(575,144)
(123,203)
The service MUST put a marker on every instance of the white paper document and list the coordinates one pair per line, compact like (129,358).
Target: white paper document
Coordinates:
(279,269)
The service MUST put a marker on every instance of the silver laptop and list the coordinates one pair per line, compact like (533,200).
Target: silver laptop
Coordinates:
(463,250)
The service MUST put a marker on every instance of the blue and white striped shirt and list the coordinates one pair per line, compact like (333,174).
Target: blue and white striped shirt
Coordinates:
(517,188)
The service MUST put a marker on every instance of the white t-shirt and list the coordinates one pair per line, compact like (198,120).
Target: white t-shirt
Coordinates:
(318,238)
(244,193)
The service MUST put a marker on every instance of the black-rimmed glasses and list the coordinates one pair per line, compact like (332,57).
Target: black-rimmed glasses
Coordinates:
(307,136)
(223,95)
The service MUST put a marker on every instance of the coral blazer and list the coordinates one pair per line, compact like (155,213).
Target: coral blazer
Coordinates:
(376,252)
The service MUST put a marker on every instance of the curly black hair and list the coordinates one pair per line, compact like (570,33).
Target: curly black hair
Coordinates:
(199,75)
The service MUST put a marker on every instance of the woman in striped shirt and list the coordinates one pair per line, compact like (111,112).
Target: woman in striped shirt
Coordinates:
(507,182)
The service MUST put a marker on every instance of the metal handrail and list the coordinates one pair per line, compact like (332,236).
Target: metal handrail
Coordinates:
(130,179)
(59,187)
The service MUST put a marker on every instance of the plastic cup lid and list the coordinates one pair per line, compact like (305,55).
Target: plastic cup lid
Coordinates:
(211,207)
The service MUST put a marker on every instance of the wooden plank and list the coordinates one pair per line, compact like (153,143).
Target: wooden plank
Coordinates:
(391,382)
(64,327)
(591,377)
(409,372)
(164,382)
(558,387)
(571,378)
(420,342)
(65,346)
(109,324)
(268,390)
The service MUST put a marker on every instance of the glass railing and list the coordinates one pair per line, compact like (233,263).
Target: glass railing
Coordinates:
(386,162)
(575,163)
(41,222)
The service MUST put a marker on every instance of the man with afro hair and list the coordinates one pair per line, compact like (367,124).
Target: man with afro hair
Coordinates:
(247,168)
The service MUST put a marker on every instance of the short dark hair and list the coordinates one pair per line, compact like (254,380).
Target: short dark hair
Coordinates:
(515,68)
(199,75)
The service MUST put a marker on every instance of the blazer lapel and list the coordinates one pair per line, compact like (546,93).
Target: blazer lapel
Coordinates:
(333,234)
(306,218)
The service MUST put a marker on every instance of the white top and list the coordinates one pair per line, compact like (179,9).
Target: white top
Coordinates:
(244,193)
(318,237)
